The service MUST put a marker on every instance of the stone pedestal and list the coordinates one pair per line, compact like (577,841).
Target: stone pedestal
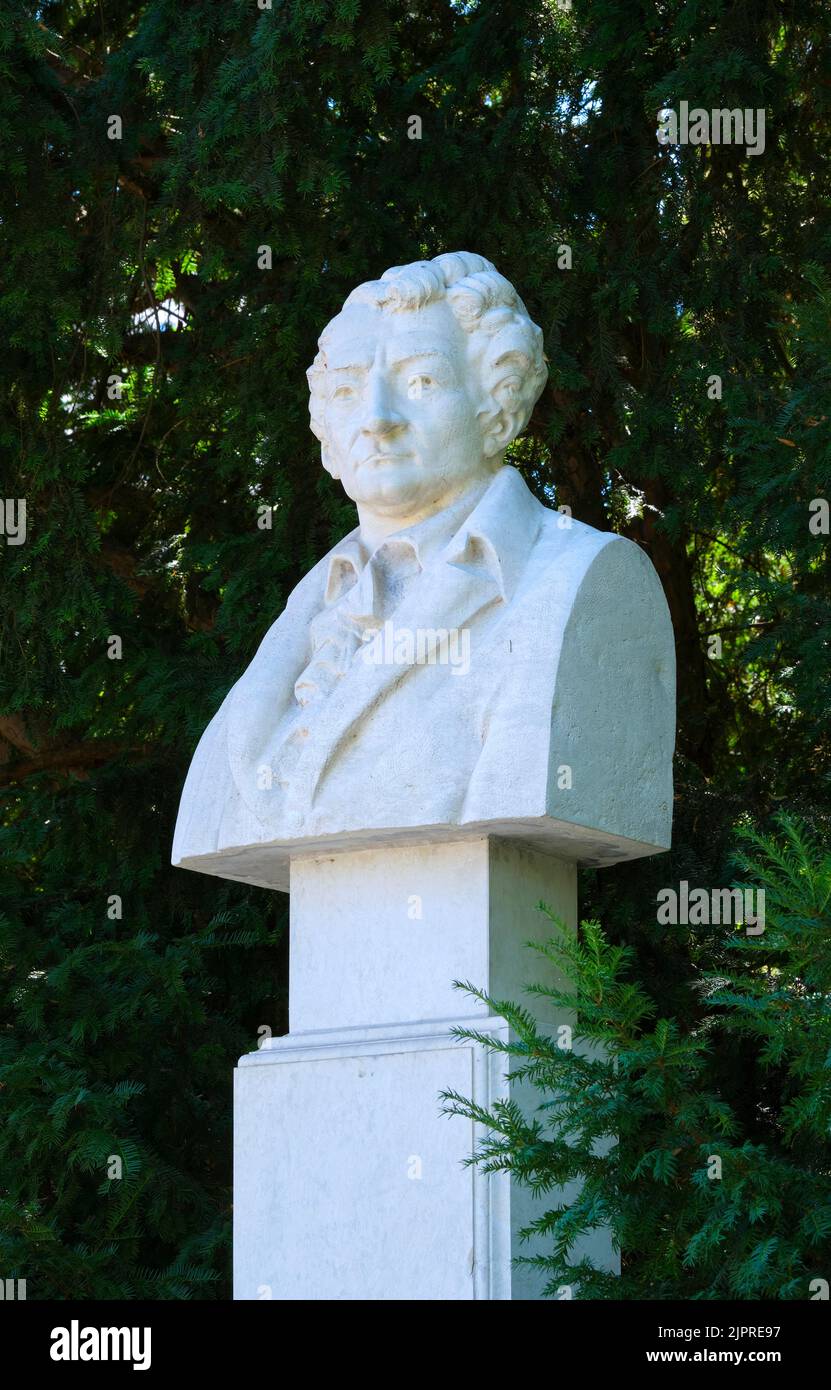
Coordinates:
(349,1182)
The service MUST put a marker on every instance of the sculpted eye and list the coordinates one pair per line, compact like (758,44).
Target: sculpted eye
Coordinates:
(343,393)
(419,384)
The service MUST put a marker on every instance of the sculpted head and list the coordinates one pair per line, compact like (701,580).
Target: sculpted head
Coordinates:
(422,381)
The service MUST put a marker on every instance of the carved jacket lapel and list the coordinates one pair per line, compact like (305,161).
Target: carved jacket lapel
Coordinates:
(257,703)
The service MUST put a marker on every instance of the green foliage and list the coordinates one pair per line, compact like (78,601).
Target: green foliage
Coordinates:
(703,1201)
(153,399)
(120,1034)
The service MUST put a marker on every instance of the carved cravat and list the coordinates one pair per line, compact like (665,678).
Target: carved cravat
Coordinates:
(360,596)
(357,603)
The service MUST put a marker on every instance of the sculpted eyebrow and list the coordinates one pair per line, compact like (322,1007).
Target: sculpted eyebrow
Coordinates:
(414,355)
(418,356)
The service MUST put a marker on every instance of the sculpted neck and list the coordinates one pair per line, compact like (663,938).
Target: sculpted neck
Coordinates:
(437,522)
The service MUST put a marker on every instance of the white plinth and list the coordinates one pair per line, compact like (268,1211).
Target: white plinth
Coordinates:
(349,1182)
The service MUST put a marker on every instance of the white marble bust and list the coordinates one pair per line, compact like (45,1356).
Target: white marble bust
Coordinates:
(465,661)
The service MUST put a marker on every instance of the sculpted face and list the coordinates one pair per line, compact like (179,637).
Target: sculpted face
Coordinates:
(402,409)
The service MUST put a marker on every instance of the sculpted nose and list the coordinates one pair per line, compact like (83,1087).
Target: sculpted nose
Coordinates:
(381,417)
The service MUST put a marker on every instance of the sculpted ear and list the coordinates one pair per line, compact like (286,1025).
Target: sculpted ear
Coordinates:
(510,409)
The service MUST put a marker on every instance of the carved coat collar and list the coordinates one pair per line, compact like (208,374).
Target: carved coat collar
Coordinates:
(494,539)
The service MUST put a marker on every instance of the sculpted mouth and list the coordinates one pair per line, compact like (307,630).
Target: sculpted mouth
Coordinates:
(385,458)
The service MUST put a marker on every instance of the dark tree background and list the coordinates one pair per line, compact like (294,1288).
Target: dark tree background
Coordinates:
(153,398)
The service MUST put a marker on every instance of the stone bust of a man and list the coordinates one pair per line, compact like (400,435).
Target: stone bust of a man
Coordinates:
(467,661)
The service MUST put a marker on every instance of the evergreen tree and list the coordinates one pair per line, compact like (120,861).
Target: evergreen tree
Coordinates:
(705,1197)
